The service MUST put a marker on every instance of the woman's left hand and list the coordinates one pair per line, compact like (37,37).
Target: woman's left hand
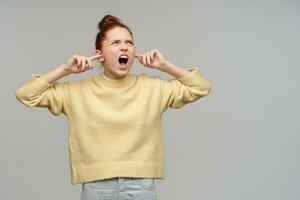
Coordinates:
(152,59)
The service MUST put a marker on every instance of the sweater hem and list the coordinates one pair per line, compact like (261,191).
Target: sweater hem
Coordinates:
(87,173)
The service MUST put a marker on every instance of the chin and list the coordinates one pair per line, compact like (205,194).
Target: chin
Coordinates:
(122,73)
(123,69)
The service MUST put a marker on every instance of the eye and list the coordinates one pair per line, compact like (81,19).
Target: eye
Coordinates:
(115,42)
(131,43)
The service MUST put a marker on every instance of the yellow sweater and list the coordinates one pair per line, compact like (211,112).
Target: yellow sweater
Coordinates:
(114,125)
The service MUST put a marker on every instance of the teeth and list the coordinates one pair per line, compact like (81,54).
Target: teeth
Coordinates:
(123,56)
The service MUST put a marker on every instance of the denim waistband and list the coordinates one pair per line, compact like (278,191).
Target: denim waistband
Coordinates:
(121,184)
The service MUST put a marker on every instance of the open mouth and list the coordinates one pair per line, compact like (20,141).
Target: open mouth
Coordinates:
(123,59)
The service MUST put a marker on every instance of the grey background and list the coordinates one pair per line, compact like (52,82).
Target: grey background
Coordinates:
(239,142)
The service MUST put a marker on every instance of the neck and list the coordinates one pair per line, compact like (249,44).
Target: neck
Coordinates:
(112,76)
(124,82)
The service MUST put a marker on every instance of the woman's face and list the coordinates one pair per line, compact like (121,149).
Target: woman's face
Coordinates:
(117,54)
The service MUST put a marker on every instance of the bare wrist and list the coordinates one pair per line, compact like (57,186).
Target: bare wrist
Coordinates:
(64,70)
(164,67)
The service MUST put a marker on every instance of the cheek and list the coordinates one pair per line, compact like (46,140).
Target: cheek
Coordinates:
(111,56)
(114,54)
(132,50)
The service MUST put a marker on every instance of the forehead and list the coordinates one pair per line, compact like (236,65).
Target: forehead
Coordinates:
(118,33)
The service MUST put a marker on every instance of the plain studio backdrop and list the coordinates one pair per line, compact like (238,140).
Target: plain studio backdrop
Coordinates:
(241,142)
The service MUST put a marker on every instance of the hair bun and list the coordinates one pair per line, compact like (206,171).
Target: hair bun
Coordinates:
(107,23)
(108,19)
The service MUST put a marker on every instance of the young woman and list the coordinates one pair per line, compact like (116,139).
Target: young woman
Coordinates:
(114,118)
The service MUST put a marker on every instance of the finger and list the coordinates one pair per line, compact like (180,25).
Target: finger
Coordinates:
(152,56)
(148,59)
(139,59)
(87,64)
(146,55)
(158,54)
(92,66)
(78,62)
(137,55)
(90,63)
(94,57)
(82,63)
(144,60)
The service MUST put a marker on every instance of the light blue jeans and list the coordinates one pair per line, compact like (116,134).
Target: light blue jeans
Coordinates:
(119,188)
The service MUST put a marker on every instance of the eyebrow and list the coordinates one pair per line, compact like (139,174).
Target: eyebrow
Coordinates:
(120,40)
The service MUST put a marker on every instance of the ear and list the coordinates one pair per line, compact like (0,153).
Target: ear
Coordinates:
(98,52)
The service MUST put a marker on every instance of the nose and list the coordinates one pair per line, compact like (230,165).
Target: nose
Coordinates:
(124,47)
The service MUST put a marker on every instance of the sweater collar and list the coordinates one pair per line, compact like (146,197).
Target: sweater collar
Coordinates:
(103,79)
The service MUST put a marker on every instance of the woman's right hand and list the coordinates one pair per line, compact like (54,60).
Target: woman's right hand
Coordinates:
(78,64)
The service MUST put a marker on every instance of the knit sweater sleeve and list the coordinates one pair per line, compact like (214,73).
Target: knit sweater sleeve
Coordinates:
(180,91)
(38,93)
